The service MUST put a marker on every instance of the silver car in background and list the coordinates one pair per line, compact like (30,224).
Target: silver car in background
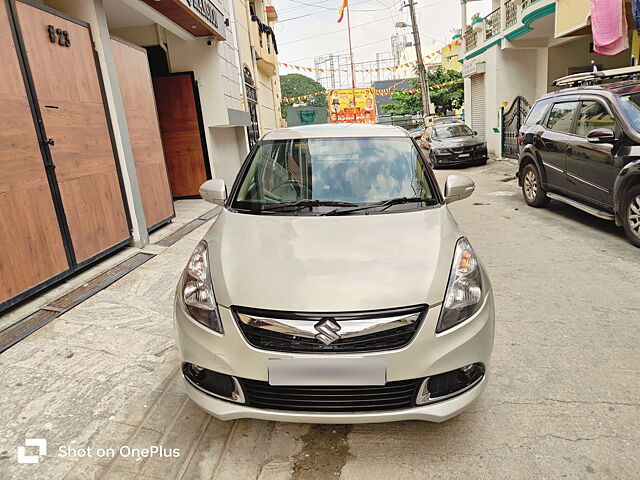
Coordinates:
(334,286)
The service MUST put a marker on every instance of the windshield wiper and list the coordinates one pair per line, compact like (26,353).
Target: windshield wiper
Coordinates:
(301,204)
(383,205)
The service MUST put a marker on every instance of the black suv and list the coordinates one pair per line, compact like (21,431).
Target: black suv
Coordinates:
(581,145)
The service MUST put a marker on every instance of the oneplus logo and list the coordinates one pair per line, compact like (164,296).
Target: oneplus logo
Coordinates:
(41,443)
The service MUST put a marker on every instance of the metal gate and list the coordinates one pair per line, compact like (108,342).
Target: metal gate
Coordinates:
(512,120)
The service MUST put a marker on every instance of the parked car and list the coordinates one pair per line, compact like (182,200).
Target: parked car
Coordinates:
(448,119)
(581,145)
(453,144)
(416,132)
(334,286)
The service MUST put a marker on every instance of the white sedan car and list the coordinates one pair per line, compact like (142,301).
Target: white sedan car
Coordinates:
(335,286)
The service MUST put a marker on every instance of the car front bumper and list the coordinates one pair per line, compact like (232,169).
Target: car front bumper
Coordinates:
(426,355)
(456,159)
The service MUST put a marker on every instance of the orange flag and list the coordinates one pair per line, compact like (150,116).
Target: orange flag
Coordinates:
(345,4)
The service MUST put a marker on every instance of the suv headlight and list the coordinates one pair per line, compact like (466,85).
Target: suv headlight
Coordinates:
(196,290)
(464,291)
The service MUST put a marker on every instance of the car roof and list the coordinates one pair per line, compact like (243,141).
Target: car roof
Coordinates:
(332,130)
(616,88)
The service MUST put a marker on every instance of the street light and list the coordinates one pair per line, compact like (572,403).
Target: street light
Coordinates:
(402,25)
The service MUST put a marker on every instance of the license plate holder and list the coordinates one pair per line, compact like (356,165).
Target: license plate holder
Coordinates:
(327,371)
(464,155)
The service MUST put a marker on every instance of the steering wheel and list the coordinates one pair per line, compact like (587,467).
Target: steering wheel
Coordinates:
(288,190)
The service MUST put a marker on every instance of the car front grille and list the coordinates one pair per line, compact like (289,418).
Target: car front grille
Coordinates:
(459,150)
(297,333)
(392,396)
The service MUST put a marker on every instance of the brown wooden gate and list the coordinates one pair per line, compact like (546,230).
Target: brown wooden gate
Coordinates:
(31,246)
(61,197)
(68,91)
(136,88)
(182,135)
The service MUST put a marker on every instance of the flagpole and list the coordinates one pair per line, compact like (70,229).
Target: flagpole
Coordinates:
(353,78)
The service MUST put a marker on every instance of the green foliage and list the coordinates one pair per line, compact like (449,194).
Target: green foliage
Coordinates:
(446,98)
(297,85)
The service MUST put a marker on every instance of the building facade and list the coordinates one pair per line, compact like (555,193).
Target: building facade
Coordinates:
(518,50)
(109,110)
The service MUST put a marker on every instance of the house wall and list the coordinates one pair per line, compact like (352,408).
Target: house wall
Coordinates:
(571,15)
(576,54)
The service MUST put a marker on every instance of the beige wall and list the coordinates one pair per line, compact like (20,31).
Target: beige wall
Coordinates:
(267,86)
(576,54)
(571,15)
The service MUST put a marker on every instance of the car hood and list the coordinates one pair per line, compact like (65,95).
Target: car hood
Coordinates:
(457,142)
(332,263)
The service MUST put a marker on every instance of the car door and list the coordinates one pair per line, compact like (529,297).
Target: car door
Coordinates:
(590,170)
(554,140)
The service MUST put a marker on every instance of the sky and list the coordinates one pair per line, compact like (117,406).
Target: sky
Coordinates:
(309,28)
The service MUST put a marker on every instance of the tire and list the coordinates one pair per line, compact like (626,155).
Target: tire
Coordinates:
(532,187)
(630,214)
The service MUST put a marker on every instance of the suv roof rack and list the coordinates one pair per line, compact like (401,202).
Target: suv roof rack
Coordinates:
(591,78)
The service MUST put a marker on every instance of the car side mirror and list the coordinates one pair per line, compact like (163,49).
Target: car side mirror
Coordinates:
(214,191)
(458,187)
(601,135)
(475,133)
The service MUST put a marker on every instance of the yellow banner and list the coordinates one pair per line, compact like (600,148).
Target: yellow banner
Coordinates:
(352,105)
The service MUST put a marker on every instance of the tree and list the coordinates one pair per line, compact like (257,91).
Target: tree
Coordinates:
(446,98)
(297,85)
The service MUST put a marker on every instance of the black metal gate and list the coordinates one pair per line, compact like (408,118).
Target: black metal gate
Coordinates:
(512,120)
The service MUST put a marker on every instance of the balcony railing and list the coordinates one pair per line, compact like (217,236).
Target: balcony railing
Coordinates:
(471,38)
(511,13)
(502,18)
(492,24)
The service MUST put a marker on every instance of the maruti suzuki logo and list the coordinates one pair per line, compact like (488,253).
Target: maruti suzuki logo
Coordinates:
(327,329)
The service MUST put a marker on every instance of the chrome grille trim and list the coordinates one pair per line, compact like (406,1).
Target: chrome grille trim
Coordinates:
(350,332)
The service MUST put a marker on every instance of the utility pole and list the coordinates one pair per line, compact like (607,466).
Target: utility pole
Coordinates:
(424,84)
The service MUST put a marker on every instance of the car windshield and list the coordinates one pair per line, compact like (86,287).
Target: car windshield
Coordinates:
(631,106)
(449,131)
(333,171)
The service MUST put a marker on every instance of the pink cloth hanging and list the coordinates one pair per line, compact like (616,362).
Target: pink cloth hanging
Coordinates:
(609,26)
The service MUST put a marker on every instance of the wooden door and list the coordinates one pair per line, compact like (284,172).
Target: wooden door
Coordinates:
(31,248)
(73,113)
(144,131)
(181,134)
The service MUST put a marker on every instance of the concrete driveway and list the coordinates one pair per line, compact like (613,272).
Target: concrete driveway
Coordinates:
(563,400)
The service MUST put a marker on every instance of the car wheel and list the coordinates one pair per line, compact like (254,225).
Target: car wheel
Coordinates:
(532,187)
(630,213)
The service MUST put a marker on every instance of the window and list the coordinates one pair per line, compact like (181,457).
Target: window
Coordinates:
(449,131)
(357,170)
(561,116)
(631,106)
(593,115)
(537,114)
(253,131)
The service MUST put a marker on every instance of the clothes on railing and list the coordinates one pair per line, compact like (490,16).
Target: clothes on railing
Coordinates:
(266,29)
(609,26)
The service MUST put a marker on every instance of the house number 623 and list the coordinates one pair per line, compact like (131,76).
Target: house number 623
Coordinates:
(62,36)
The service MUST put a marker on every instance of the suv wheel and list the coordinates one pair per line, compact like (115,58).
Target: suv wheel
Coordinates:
(532,188)
(630,213)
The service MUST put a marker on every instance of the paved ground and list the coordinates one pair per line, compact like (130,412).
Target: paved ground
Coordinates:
(563,401)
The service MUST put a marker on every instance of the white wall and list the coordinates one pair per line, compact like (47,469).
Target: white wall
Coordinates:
(228,151)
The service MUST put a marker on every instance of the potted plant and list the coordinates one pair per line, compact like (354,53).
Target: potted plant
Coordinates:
(477,22)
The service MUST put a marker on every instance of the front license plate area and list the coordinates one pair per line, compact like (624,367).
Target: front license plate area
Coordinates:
(462,155)
(327,371)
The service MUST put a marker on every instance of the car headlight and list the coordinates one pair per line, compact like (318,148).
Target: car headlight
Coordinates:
(196,290)
(464,291)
